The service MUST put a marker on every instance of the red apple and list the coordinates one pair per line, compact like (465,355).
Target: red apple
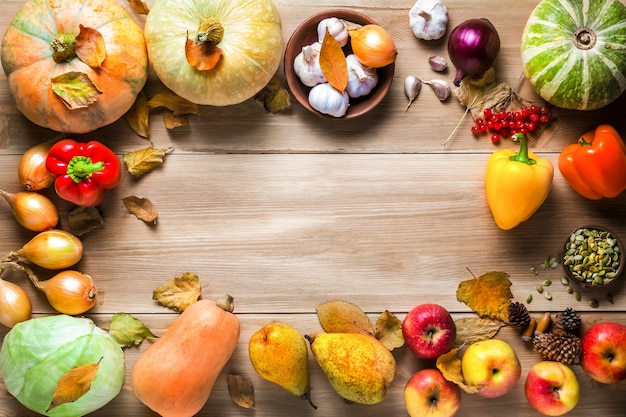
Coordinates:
(429,394)
(429,331)
(604,352)
(552,388)
(493,365)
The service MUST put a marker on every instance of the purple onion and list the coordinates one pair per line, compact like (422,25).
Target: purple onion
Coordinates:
(473,47)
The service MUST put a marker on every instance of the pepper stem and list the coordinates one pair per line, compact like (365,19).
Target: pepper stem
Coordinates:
(81,168)
(522,155)
(210,31)
(583,142)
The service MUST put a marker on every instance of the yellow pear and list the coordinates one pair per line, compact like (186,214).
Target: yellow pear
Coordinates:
(359,367)
(279,354)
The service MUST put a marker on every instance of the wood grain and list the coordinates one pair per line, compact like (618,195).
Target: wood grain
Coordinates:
(291,210)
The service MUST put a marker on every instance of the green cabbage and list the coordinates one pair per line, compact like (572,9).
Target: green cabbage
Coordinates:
(37,352)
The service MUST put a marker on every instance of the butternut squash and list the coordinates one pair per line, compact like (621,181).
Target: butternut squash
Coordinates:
(174,377)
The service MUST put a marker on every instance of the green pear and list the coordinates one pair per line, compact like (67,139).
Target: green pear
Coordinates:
(358,366)
(279,354)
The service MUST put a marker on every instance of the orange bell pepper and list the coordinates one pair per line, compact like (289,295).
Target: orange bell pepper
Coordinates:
(596,166)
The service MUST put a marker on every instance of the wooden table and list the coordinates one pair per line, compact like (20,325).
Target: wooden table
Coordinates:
(291,210)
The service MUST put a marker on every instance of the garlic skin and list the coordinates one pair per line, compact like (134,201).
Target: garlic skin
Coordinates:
(327,100)
(306,65)
(335,27)
(428,19)
(361,79)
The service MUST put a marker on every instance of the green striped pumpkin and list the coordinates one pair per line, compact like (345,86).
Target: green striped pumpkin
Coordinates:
(574,52)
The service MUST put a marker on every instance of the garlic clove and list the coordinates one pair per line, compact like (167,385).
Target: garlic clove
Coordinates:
(440,87)
(437,63)
(412,87)
(428,19)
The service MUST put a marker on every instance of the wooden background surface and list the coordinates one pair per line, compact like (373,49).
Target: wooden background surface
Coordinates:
(288,211)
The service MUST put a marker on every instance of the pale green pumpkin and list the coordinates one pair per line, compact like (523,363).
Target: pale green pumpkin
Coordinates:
(574,52)
(251,47)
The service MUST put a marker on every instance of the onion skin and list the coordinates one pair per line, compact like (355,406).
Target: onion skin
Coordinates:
(32,210)
(15,306)
(70,292)
(473,46)
(53,249)
(32,170)
(373,46)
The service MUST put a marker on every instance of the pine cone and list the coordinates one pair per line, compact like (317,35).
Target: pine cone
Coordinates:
(566,322)
(565,348)
(518,315)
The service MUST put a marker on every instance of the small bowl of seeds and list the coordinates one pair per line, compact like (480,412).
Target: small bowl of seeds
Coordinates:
(592,256)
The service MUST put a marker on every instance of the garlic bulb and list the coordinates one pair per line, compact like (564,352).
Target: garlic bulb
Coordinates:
(335,27)
(361,79)
(428,19)
(306,65)
(327,100)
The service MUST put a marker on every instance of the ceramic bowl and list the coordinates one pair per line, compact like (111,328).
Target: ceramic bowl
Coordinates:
(306,34)
(577,241)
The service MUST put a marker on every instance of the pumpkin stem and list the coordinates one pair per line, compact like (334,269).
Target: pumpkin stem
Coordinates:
(226,303)
(63,47)
(210,31)
(584,38)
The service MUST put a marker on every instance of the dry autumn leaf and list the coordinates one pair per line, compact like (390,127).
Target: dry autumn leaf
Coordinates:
(127,330)
(274,96)
(172,101)
(179,292)
(172,121)
(138,116)
(74,384)
(202,56)
(139,6)
(478,93)
(90,47)
(450,366)
(473,329)
(488,295)
(389,330)
(241,390)
(75,89)
(82,220)
(142,208)
(333,62)
(142,161)
(343,317)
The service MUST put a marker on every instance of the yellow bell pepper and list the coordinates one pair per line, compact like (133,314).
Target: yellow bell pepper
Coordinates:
(517,184)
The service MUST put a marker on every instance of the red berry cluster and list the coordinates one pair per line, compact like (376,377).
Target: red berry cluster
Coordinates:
(501,123)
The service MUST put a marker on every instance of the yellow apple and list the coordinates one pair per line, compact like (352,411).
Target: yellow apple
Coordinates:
(493,365)
(429,394)
(552,388)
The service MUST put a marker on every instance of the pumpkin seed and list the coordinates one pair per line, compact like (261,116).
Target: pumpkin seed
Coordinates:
(577,296)
(547,283)
(539,288)
(609,298)
(569,289)
(534,270)
(564,280)
(547,295)
(593,303)
(529,299)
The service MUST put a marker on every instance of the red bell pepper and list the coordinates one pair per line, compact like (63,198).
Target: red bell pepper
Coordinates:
(596,166)
(83,171)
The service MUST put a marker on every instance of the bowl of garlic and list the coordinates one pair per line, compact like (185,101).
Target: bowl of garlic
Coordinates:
(369,55)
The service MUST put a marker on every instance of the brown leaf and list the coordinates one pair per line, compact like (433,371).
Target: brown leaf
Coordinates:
(172,122)
(90,47)
(333,62)
(138,116)
(142,161)
(389,330)
(127,330)
(202,56)
(172,101)
(474,329)
(274,96)
(241,390)
(450,367)
(343,317)
(74,384)
(75,89)
(82,220)
(488,295)
(179,292)
(142,208)
(139,6)
(481,92)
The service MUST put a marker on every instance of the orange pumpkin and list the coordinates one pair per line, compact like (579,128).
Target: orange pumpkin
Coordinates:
(56,89)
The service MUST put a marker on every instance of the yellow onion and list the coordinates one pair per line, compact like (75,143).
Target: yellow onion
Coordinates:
(69,292)
(32,210)
(53,249)
(15,305)
(32,170)
(373,46)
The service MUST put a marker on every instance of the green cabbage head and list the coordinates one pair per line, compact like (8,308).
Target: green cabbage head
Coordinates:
(37,352)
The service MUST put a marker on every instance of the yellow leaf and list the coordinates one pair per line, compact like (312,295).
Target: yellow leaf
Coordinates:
(138,116)
(488,295)
(274,96)
(241,390)
(179,292)
(172,121)
(75,89)
(202,56)
(172,101)
(389,330)
(473,329)
(90,47)
(450,366)
(343,317)
(142,161)
(333,62)
(142,208)
(74,384)
(139,6)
